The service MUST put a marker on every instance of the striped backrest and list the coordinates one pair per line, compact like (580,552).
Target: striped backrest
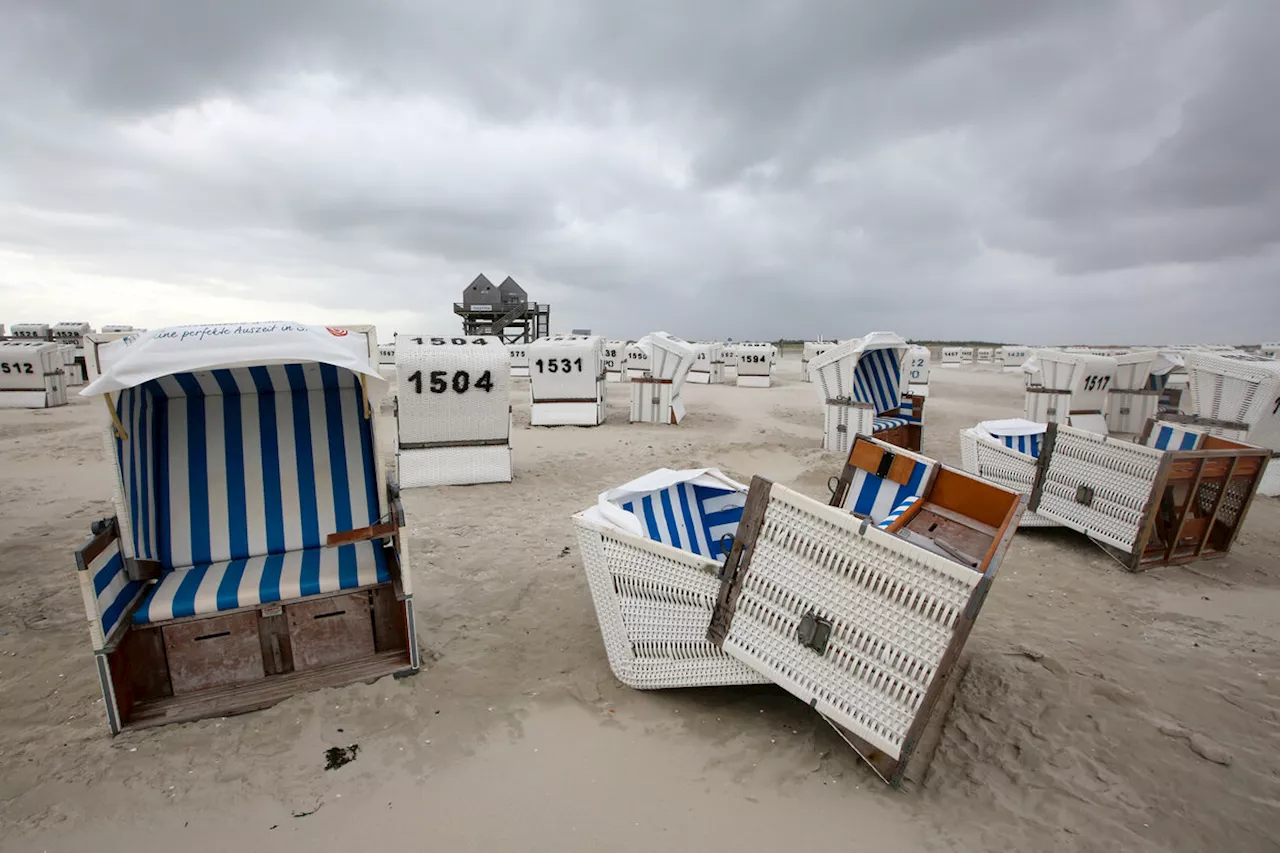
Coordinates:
(1028,444)
(874,496)
(689,517)
(239,463)
(107,589)
(1165,436)
(877,379)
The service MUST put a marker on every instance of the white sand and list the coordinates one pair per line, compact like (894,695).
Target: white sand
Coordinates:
(1091,700)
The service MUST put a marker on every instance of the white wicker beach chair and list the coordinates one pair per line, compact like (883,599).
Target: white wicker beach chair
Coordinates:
(566,381)
(1069,388)
(708,364)
(33,374)
(863,621)
(453,411)
(860,385)
(1006,452)
(755,364)
(255,551)
(652,550)
(915,372)
(655,396)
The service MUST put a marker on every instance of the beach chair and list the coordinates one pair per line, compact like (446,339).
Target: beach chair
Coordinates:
(615,357)
(860,385)
(655,396)
(566,381)
(708,364)
(812,349)
(1230,391)
(1134,397)
(1005,452)
(453,410)
(34,374)
(863,620)
(1069,387)
(255,550)
(1011,358)
(651,550)
(755,364)
(915,372)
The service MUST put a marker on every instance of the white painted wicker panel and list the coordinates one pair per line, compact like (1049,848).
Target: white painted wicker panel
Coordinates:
(637,361)
(568,414)
(1045,408)
(452,389)
(566,367)
(1239,389)
(1134,369)
(1121,475)
(991,460)
(27,365)
(655,403)
(915,368)
(671,358)
(614,356)
(842,423)
(454,466)
(1128,411)
(893,608)
(951,356)
(654,606)
(755,360)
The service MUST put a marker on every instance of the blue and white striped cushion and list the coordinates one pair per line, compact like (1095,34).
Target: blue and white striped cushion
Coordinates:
(877,497)
(215,587)
(112,587)
(1028,444)
(691,518)
(1172,437)
(230,464)
(888,423)
(878,378)
(897,511)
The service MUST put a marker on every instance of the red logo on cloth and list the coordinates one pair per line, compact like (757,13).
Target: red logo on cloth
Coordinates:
(337,333)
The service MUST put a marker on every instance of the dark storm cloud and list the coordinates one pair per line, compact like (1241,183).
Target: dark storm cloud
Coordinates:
(999,168)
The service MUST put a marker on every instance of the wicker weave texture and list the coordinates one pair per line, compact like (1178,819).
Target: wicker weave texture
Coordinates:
(454,466)
(654,605)
(893,608)
(841,423)
(452,389)
(991,460)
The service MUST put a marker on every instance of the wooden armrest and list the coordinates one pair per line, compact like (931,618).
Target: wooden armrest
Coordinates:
(362,534)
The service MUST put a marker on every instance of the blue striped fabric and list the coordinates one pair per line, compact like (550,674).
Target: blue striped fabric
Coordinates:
(876,497)
(878,378)
(691,518)
(897,512)
(1028,444)
(111,587)
(888,423)
(231,464)
(214,587)
(1172,437)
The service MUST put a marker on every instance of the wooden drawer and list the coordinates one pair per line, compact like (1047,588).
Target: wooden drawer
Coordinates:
(213,652)
(330,630)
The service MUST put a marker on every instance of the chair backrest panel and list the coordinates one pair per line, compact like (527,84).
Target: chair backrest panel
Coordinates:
(250,461)
(689,517)
(878,378)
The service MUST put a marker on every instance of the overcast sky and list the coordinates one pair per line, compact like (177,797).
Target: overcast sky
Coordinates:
(1079,171)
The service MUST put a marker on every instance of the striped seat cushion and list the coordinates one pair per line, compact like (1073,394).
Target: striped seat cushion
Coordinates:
(1172,437)
(215,587)
(881,424)
(897,511)
(689,517)
(877,497)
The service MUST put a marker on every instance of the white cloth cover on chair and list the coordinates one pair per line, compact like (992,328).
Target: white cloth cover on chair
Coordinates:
(651,550)
(1005,452)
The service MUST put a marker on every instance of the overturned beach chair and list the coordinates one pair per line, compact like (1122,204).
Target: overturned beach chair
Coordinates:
(255,552)
(453,411)
(1005,452)
(1068,387)
(864,621)
(1171,499)
(655,396)
(1230,391)
(651,550)
(860,385)
(33,374)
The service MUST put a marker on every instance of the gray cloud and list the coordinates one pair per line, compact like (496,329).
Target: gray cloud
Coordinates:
(1086,171)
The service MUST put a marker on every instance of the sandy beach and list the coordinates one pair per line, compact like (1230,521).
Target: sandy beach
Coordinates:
(1099,711)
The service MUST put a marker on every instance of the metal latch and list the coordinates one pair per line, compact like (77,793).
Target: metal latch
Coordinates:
(814,632)
(886,462)
(1084,495)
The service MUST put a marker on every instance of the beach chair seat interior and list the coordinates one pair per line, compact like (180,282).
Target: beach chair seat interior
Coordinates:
(252,557)
(693,518)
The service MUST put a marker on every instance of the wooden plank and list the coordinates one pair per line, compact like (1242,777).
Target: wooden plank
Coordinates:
(143,570)
(739,561)
(264,693)
(90,550)
(138,670)
(1147,525)
(273,634)
(390,630)
(1186,508)
(216,651)
(972,497)
(426,445)
(1213,512)
(865,456)
(361,534)
(331,630)
(1042,466)
(966,543)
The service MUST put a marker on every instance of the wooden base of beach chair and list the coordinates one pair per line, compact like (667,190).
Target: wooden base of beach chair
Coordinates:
(247,659)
